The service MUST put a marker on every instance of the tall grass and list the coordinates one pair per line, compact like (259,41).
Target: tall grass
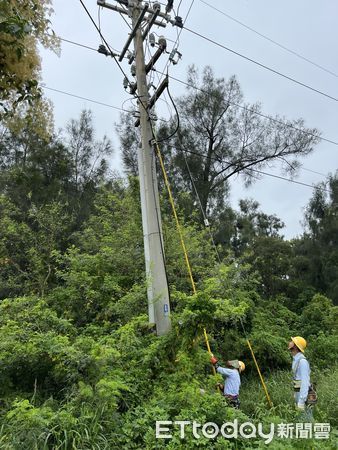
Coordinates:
(83,426)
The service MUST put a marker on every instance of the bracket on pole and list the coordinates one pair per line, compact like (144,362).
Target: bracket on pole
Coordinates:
(112,7)
(125,3)
(103,50)
(151,22)
(133,31)
(162,47)
(158,92)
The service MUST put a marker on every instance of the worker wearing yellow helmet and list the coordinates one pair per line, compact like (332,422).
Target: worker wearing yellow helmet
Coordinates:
(232,383)
(301,375)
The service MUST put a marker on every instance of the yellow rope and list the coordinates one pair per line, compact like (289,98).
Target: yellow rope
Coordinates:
(186,257)
(179,229)
(260,374)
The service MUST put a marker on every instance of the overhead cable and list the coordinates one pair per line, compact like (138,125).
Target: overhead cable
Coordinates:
(270,69)
(264,36)
(84,98)
(257,112)
(106,43)
(290,180)
(188,151)
(179,33)
(330,141)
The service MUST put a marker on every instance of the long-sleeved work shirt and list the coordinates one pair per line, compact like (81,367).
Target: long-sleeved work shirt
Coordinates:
(301,371)
(232,380)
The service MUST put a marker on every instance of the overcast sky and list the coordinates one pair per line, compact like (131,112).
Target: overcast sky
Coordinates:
(308,27)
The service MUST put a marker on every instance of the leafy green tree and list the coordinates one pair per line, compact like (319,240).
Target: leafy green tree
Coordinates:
(28,244)
(221,136)
(320,316)
(41,169)
(16,238)
(80,365)
(31,334)
(130,139)
(22,26)
(106,261)
(239,229)
(89,165)
(317,254)
(271,257)
(34,170)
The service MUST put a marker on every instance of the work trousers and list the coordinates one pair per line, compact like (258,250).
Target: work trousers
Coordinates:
(307,414)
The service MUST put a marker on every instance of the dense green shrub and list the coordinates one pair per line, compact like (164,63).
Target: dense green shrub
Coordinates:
(81,367)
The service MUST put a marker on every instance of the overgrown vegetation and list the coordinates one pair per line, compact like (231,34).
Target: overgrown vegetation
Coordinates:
(80,366)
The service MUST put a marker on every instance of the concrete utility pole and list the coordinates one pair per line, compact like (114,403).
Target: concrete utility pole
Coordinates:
(158,292)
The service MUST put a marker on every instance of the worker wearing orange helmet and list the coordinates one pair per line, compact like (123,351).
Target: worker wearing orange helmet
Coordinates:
(232,384)
(301,375)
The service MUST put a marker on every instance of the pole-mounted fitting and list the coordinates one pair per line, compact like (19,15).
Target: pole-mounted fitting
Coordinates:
(157,6)
(152,20)
(155,97)
(103,50)
(133,31)
(173,54)
(178,22)
(169,6)
(152,39)
(162,42)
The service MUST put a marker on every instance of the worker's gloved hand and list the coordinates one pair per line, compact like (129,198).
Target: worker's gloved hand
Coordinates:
(300,407)
(213,360)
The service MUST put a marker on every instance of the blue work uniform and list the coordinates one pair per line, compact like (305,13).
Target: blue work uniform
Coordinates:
(301,376)
(232,381)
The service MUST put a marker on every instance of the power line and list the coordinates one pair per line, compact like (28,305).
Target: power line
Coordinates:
(314,171)
(179,33)
(104,40)
(69,94)
(205,219)
(271,40)
(86,98)
(270,69)
(330,141)
(289,180)
(185,150)
(256,112)
(179,5)
(251,169)
(78,44)
(187,15)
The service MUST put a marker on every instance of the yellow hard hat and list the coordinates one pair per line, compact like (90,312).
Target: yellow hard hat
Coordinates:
(241,366)
(299,343)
